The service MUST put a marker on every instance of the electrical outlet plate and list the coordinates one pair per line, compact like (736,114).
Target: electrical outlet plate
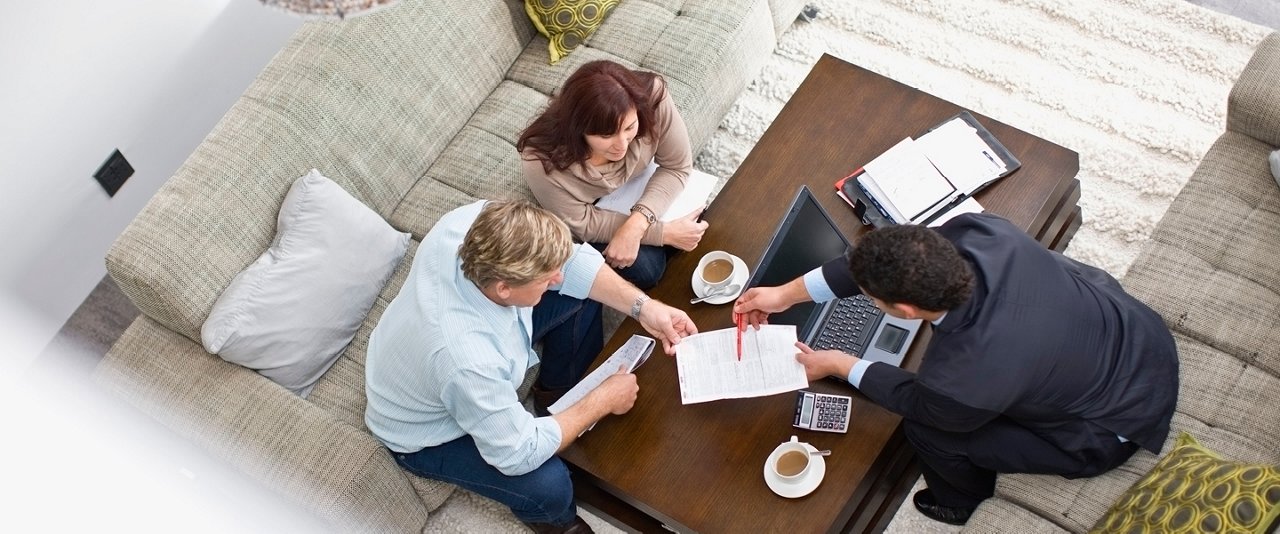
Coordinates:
(113,173)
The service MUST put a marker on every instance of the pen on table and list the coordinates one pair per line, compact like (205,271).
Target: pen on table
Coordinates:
(702,214)
(739,322)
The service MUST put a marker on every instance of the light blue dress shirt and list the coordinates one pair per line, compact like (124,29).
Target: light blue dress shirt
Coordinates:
(445,361)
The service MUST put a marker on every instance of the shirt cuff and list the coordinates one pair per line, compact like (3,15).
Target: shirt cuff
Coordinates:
(580,271)
(859,369)
(817,286)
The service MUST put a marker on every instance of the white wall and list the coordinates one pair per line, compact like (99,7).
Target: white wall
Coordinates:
(78,79)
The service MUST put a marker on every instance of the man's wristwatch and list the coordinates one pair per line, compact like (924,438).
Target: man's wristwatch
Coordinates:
(644,210)
(635,306)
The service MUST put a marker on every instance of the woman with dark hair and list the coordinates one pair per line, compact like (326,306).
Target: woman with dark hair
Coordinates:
(603,129)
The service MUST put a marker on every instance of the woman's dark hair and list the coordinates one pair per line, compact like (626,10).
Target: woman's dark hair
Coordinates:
(593,101)
(909,264)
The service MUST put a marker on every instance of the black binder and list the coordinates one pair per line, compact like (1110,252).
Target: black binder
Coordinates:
(867,209)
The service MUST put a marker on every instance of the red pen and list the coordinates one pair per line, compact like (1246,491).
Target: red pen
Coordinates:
(737,321)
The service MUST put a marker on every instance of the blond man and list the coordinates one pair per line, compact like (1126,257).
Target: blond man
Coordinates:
(450,351)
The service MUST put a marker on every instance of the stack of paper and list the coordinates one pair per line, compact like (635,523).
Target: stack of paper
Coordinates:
(711,369)
(630,356)
(693,198)
(917,179)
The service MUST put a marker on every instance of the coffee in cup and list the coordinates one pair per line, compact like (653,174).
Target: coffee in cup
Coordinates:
(791,460)
(715,270)
(792,463)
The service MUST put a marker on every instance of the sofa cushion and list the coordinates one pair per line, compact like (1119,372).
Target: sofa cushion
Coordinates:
(293,310)
(1011,518)
(335,470)
(481,162)
(1252,107)
(1194,489)
(1071,504)
(1213,255)
(567,23)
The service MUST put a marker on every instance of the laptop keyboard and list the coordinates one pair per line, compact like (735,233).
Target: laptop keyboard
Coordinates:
(851,321)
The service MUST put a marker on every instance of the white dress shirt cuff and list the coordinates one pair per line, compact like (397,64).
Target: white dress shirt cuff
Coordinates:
(817,286)
(859,369)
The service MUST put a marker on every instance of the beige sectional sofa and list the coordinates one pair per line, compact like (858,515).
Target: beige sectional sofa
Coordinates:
(1210,271)
(413,110)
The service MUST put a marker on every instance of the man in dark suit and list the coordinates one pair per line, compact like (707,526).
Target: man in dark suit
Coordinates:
(1038,363)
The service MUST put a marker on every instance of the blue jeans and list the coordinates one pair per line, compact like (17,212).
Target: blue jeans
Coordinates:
(544,495)
(572,335)
(651,262)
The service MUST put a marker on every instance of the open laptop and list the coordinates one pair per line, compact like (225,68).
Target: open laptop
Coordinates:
(806,239)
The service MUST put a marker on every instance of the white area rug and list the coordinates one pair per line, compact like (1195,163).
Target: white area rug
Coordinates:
(1137,87)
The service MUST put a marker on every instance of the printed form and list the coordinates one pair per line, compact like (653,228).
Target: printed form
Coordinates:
(709,368)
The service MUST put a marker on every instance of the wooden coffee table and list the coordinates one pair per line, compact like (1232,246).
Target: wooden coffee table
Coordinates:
(699,467)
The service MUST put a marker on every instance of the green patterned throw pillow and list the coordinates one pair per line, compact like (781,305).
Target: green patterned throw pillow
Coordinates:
(567,23)
(1192,489)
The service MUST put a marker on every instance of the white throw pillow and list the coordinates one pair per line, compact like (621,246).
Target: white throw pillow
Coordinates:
(1275,165)
(292,311)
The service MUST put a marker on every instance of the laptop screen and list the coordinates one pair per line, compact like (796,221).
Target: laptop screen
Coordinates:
(807,238)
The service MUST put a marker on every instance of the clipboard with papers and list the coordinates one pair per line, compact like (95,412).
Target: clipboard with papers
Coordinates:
(929,178)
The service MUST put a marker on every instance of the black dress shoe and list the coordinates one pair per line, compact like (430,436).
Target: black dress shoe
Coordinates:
(578,526)
(950,515)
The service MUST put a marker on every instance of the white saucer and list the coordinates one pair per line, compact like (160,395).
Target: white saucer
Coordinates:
(739,277)
(796,488)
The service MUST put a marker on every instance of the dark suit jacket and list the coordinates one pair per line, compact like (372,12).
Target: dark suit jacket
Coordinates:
(1049,342)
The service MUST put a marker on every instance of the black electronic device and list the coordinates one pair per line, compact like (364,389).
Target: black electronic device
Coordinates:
(805,239)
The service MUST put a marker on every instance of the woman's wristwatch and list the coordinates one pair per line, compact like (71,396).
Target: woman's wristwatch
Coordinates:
(644,210)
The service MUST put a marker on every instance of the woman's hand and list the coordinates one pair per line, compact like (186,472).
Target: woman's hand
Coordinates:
(624,246)
(684,233)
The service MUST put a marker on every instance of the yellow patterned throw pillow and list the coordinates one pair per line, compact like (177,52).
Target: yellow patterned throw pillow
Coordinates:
(567,23)
(1192,489)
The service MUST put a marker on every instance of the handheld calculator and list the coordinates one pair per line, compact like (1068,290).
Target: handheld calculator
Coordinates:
(821,411)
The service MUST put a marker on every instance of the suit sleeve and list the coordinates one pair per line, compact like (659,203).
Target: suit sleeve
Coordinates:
(898,391)
(839,279)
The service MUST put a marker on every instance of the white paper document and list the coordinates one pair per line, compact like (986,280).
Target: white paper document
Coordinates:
(709,368)
(968,206)
(907,180)
(631,355)
(697,187)
(961,155)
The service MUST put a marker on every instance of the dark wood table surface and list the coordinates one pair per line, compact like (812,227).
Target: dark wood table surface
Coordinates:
(699,467)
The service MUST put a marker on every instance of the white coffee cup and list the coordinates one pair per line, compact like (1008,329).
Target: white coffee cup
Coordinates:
(791,460)
(715,270)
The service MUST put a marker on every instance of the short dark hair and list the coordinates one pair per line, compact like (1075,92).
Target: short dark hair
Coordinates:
(910,264)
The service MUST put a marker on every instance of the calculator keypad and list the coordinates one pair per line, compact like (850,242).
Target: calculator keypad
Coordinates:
(830,413)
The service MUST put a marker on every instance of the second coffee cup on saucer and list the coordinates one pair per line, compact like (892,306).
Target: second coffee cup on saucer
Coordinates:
(715,270)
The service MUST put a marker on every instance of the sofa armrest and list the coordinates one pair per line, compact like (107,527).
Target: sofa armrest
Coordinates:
(1253,108)
(340,473)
